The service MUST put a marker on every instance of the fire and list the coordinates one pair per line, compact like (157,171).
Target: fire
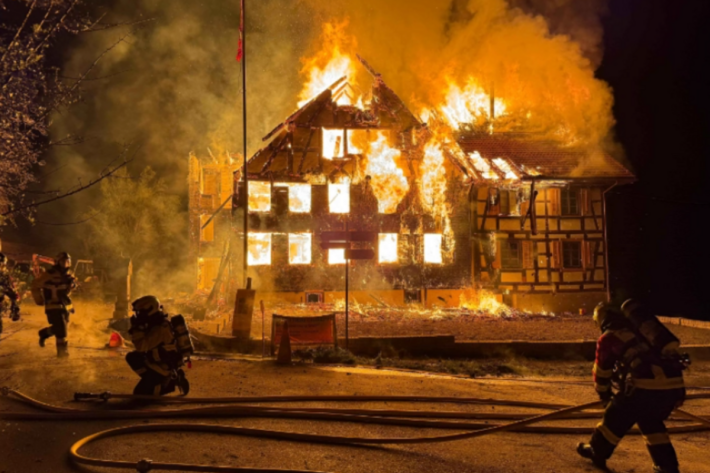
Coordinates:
(483,301)
(432,248)
(387,180)
(339,196)
(259,249)
(483,166)
(433,183)
(259,196)
(469,105)
(299,248)
(333,143)
(329,64)
(387,251)
(505,167)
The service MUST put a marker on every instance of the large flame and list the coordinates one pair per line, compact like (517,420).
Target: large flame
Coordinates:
(469,105)
(329,64)
(485,302)
(387,180)
(432,186)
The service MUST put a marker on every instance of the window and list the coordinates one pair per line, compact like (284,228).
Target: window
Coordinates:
(572,254)
(210,181)
(511,254)
(299,197)
(259,249)
(333,143)
(259,196)
(432,248)
(339,198)
(336,256)
(206,233)
(299,248)
(358,141)
(412,296)
(387,248)
(570,201)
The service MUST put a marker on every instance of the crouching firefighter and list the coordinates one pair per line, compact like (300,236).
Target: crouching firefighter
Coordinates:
(52,289)
(7,291)
(638,357)
(162,344)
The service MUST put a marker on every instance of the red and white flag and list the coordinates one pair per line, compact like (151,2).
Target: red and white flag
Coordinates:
(240,51)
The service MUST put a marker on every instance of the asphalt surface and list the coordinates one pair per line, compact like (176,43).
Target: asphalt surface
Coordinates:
(39,446)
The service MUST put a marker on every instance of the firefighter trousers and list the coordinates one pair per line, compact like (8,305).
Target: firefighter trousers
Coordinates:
(152,383)
(58,320)
(647,408)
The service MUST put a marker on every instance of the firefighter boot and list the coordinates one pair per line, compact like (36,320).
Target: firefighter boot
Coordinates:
(586,451)
(44,334)
(62,348)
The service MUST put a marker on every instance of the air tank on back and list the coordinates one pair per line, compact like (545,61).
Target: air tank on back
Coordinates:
(659,338)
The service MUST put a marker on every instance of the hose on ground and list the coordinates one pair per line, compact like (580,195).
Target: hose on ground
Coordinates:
(370,416)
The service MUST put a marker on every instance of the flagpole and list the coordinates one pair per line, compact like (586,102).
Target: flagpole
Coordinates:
(244,133)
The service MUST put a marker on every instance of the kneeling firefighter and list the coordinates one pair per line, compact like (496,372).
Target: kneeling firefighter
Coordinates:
(52,290)
(162,344)
(638,356)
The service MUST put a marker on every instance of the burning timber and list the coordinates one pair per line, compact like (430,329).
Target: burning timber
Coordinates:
(464,218)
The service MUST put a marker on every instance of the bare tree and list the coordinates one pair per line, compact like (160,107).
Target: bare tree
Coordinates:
(32,90)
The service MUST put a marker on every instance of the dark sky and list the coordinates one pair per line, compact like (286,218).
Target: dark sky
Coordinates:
(656,58)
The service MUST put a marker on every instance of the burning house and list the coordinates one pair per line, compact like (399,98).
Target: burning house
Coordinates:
(463,215)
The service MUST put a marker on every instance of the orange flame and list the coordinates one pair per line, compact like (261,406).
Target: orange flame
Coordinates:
(387,180)
(469,105)
(329,64)
(483,301)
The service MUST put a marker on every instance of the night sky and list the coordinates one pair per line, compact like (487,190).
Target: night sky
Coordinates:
(656,60)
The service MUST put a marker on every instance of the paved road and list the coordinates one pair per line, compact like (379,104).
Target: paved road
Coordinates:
(27,447)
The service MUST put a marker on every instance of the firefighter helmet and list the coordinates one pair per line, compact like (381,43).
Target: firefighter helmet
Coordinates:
(146,305)
(605,314)
(63,260)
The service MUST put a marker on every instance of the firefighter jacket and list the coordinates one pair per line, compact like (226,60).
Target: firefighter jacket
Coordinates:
(153,336)
(56,284)
(7,285)
(640,367)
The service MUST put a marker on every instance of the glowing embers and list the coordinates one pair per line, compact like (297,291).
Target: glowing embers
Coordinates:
(299,248)
(387,248)
(333,143)
(505,167)
(483,166)
(433,180)
(336,256)
(483,301)
(259,196)
(432,248)
(299,196)
(339,197)
(387,180)
(259,251)
(468,105)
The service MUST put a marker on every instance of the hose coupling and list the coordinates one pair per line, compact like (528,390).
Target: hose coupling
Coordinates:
(144,466)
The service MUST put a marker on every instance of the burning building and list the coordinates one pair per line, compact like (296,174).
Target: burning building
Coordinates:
(458,209)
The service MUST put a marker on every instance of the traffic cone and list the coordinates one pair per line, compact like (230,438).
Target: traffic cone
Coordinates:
(116,340)
(284,356)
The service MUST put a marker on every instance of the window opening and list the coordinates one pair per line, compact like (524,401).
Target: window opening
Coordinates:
(570,201)
(572,254)
(259,253)
(387,248)
(259,196)
(511,254)
(333,143)
(299,248)
(432,248)
(339,197)
(336,256)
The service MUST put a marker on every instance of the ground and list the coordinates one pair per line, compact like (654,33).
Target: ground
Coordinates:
(42,446)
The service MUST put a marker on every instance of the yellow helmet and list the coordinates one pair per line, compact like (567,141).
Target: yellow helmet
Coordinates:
(146,305)
(601,314)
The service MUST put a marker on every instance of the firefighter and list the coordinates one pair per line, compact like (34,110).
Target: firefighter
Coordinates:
(650,386)
(55,286)
(156,358)
(7,291)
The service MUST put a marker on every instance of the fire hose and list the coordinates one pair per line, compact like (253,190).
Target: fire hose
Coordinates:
(521,422)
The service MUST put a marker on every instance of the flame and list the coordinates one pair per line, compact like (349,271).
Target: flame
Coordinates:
(469,105)
(387,250)
(259,196)
(299,248)
(483,166)
(387,180)
(483,301)
(505,167)
(339,196)
(259,251)
(336,256)
(329,64)
(333,143)
(432,248)
(299,196)
(433,185)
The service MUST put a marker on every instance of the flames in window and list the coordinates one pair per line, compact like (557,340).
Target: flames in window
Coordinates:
(388,248)
(333,143)
(259,253)
(336,256)
(339,197)
(299,196)
(259,196)
(299,248)
(387,179)
(432,248)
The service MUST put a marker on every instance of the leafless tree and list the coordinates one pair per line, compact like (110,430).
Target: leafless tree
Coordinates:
(32,90)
